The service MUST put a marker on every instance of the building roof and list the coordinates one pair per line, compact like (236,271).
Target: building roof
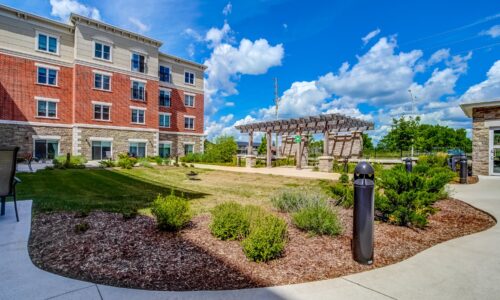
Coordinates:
(469,107)
(182,60)
(29,16)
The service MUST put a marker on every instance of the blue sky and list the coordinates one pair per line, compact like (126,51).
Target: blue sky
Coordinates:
(353,57)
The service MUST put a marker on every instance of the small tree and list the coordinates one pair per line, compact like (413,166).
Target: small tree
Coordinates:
(367,142)
(222,150)
(263,146)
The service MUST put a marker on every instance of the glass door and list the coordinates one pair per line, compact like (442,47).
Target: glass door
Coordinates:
(101,150)
(495,152)
(46,149)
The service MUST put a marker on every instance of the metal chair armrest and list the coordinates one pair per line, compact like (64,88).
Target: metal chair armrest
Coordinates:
(16,180)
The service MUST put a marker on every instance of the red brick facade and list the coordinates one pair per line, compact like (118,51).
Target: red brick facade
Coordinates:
(18,89)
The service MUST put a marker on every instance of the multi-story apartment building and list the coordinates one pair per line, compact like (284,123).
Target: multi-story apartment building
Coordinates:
(92,89)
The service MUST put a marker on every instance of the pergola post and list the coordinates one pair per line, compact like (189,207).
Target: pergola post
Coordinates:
(250,159)
(298,159)
(269,152)
(325,163)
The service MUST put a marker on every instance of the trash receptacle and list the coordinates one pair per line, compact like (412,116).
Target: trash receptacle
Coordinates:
(364,188)
(408,164)
(464,169)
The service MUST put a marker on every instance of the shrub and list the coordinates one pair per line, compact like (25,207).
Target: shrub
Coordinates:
(159,160)
(74,162)
(232,221)
(126,161)
(343,194)
(107,163)
(293,199)
(144,162)
(317,219)
(266,240)
(344,178)
(171,212)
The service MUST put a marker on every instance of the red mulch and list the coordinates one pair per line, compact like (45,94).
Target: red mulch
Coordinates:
(133,253)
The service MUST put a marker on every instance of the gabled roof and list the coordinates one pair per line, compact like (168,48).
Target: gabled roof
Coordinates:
(469,107)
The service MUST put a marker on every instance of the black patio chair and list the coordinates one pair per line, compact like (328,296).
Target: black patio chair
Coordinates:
(8,181)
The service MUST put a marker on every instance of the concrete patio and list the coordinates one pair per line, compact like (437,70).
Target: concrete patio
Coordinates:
(464,268)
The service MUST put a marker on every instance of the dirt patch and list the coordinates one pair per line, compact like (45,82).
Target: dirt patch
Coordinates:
(133,253)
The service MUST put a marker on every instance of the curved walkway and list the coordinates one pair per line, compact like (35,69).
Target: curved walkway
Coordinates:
(464,268)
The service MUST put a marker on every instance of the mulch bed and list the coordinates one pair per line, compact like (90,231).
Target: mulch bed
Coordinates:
(133,253)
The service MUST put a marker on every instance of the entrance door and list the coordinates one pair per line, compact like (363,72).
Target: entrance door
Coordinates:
(495,152)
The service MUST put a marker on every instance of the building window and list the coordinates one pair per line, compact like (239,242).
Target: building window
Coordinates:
(101,112)
(102,82)
(164,98)
(189,100)
(137,149)
(101,150)
(188,148)
(165,120)
(189,77)
(46,149)
(102,51)
(47,43)
(164,74)
(46,76)
(138,116)
(165,149)
(189,123)
(138,91)
(138,63)
(46,109)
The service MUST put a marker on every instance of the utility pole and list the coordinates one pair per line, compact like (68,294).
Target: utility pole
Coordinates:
(276,102)
(413,114)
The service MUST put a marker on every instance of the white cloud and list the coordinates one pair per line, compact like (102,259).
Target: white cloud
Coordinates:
(63,8)
(488,89)
(438,56)
(215,36)
(139,25)
(229,104)
(227,9)
(225,126)
(285,25)
(494,31)
(370,36)
(227,63)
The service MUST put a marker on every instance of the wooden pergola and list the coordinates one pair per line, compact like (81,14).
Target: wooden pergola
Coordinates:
(326,124)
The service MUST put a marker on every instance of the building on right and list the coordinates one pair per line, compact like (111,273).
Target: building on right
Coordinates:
(485,136)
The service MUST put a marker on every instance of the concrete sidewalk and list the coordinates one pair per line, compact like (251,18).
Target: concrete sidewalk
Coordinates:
(279,171)
(464,268)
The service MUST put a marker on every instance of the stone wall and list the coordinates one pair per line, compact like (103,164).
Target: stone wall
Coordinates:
(179,140)
(22,136)
(481,138)
(120,140)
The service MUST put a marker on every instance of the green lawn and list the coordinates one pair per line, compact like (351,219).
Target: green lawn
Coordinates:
(120,190)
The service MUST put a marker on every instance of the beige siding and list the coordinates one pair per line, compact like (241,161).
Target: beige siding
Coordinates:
(178,69)
(121,49)
(20,36)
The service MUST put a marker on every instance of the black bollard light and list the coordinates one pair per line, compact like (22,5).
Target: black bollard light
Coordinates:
(408,164)
(464,170)
(364,196)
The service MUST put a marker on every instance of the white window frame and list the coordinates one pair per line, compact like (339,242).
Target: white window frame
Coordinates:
(168,91)
(194,122)
(47,138)
(132,80)
(165,143)
(47,67)
(132,52)
(194,77)
(110,75)
(94,103)
(194,99)
(56,101)
(132,108)
(106,44)
(169,119)
(140,141)
(169,74)
(184,146)
(58,38)
(101,139)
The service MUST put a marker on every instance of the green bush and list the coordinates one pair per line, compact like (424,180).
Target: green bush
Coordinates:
(171,212)
(126,161)
(107,163)
(343,194)
(266,240)
(407,199)
(232,221)
(317,219)
(293,199)
(144,162)
(75,162)
(344,178)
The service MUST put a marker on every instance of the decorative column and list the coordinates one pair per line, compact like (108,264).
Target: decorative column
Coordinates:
(326,161)
(269,152)
(250,159)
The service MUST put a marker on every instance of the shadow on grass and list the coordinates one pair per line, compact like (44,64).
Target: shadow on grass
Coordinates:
(87,190)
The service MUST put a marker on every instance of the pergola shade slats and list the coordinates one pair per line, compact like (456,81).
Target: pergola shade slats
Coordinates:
(309,125)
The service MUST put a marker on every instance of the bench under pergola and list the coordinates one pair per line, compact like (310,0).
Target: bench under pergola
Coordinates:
(326,124)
